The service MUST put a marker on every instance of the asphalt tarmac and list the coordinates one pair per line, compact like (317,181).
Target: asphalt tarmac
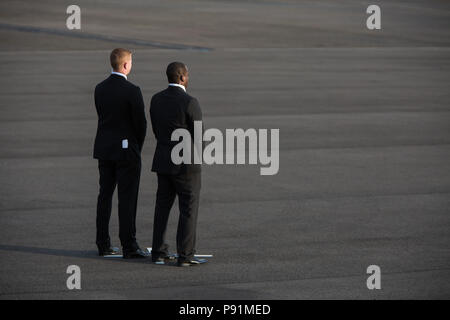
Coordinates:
(364,120)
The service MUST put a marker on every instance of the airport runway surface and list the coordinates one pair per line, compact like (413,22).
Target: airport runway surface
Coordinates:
(364,121)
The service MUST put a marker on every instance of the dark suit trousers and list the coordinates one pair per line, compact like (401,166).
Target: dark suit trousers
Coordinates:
(187,188)
(126,175)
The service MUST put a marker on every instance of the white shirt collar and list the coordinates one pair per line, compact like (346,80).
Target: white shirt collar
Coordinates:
(177,85)
(119,74)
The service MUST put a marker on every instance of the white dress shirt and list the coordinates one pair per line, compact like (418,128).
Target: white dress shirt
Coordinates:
(177,85)
(119,74)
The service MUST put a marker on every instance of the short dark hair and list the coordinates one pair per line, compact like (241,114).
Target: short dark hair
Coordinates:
(117,57)
(175,70)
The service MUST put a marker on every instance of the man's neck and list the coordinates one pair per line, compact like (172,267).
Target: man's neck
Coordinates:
(119,74)
(178,85)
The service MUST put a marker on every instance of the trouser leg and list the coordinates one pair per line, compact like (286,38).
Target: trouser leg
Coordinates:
(165,197)
(107,182)
(188,191)
(128,178)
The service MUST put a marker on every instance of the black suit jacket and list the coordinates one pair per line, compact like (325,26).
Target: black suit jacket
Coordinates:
(121,115)
(171,109)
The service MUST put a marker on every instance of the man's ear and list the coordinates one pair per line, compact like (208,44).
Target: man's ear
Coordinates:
(125,66)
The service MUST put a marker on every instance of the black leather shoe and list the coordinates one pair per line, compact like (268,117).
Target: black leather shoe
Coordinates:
(163,259)
(136,254)
(191,262)
(108,251)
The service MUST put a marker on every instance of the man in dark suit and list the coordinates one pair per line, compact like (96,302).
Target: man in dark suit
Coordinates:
(120,136)
(172,109)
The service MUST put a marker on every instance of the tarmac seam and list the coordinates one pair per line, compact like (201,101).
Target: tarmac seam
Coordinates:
(100,37)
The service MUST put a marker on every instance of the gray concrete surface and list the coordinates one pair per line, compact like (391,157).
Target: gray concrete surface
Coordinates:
(364,148)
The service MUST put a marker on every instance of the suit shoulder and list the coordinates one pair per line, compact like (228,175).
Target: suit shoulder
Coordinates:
(192,100)
(158,94)
(101,83)
(132,85)
(187,98)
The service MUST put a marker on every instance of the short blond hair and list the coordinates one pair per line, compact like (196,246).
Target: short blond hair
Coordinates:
(118,56)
